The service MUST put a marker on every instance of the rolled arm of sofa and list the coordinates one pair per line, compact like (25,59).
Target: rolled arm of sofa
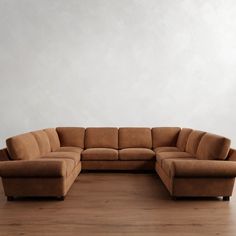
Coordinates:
(203,168)
(33,168)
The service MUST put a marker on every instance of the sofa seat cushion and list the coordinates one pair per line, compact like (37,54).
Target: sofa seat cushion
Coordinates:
(64,155)
(136,154)
(70,149)
(160,157)
(100,154)
(166,149)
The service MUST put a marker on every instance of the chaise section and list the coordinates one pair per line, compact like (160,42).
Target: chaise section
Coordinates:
(202,171)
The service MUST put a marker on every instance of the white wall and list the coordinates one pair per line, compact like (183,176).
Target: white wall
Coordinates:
(117,63)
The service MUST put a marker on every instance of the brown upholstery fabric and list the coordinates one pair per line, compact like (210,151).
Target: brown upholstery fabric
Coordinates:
(173,155)
(64,155)
(193,141)
(118,165)
(71,136)
(232,155)
(4,155)
(101,138)
(33,168)
(166,149)
(106,154)
(213,147)
(53,138)
(164,136)
(203,168)
(41,187)
(183,138)
(135,154)
(43,141)
(23,147)
(202,187)
(135,138)
(69,149)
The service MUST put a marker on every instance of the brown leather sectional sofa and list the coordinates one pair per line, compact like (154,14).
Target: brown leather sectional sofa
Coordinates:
(47,162)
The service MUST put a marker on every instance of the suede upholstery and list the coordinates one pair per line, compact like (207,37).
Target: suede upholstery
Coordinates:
(173,155)
(136,154)
(135,138)
(213,147)
(43,141)
(47,162)
(23,147)
(64,155)
(53,138)
(99,154)
(193,141)
(101,138)
(165,136)
(71,136)
(166,149)
(35,168)
(183,138)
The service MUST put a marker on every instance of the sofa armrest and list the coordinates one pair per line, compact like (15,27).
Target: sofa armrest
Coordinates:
(203,168)
(33,168)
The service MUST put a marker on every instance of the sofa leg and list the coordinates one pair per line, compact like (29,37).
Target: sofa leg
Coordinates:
(226,198)
(61,198)
(10,198)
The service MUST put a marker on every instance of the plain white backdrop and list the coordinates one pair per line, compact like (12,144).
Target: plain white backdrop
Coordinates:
(117,63)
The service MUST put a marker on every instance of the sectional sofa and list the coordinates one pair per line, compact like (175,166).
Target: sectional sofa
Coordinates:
(47,162)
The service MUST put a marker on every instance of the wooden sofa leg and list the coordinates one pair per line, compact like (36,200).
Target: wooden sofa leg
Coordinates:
(10,198)
(61,198)
(226,198)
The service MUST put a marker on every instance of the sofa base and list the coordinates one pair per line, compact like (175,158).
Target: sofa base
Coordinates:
(39,187)
(197,187)
(118,165)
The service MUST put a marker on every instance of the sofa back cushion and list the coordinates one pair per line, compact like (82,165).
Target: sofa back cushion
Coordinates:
(183,138)
(135,138)
(164,136)
(53,138)
(213,147)
(193,141)
(23,147)
(71,136)
(101,138)
(43,141)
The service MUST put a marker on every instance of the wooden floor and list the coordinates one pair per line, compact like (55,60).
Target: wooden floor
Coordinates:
(117,204)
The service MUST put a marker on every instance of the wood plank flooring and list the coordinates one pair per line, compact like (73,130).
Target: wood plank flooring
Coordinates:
(117,204)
